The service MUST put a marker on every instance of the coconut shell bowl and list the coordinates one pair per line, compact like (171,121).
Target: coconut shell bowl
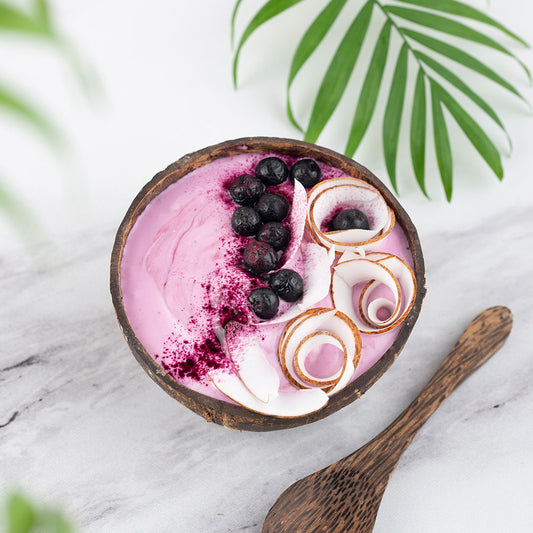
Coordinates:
(359,315)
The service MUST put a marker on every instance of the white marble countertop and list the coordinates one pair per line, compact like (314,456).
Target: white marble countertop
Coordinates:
(82,426)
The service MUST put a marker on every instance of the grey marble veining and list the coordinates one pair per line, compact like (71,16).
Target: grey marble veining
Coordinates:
(82,424)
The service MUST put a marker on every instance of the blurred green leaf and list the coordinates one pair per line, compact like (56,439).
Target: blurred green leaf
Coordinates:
(23,516)
(37,22)
(53,521)
(42,11)
(20,514)
(338,73)
(13,19)
(16,212)
(17,106)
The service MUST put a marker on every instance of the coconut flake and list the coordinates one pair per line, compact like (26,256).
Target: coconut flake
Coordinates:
(250,362)
(349,256)
(286,404)
(316,262)
(296,222)
(317,274)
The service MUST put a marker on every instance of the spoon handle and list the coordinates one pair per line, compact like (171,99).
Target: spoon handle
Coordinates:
(484,336)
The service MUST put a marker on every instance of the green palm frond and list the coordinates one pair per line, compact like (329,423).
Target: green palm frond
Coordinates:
(310,41)
(268,11)
(424,44)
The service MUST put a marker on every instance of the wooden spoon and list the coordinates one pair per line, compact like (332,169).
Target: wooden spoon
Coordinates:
(345,497)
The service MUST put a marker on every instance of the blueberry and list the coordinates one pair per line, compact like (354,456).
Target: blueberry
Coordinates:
(272,207)
(307,172)
(287,284)
(349,219)
(264,302)
(275,234)
(259,257)
(272,171)
(245,221)
(246,189)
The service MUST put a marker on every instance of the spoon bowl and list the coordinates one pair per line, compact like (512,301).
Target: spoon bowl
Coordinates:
(345,496)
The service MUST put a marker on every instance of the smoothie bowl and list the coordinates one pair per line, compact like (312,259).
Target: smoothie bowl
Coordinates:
(266,283)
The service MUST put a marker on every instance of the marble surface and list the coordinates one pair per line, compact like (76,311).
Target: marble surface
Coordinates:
(82,426)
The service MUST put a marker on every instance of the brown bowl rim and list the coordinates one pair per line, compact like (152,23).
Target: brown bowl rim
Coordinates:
(218,411)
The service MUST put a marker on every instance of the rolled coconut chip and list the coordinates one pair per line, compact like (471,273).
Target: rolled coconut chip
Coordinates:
(304,349)
(403,273)
(250,362)
(319,323)
(375,269)
(296,223)
(286,404)
(329,194)
(287,336)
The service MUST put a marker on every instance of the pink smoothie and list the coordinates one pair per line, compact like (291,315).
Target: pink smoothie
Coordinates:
(181,277)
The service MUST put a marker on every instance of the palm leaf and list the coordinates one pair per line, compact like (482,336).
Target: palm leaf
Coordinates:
(443,150)
(268,11)
(453,7)
(456,54)
(370,90)
(439,15)
(452,27)
(471,129)
(418,131)
(393,115)
(456,81)
(308,44)
(339,71)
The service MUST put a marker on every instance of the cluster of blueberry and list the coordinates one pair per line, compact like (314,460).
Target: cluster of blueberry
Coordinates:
(261,215)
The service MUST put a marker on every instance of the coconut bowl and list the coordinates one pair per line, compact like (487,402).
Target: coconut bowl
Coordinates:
(225,413)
